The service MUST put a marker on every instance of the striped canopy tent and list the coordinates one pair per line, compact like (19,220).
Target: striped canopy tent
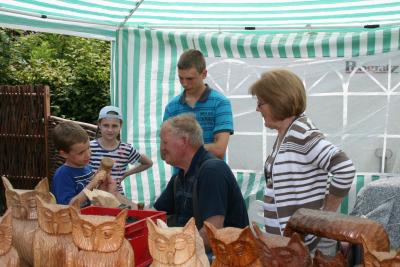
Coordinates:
(148,37)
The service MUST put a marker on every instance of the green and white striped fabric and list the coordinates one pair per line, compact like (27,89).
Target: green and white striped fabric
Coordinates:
(102,18)
(145,64)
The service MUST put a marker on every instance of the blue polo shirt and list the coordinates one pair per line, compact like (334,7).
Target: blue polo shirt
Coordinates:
(218,193)
(213,111)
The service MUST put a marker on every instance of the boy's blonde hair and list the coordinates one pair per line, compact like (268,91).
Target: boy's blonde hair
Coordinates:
(68,133)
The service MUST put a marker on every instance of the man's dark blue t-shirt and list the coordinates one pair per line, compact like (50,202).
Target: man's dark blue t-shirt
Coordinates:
(217,190)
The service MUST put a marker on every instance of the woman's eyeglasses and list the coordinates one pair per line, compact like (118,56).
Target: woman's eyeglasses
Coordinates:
(259,105)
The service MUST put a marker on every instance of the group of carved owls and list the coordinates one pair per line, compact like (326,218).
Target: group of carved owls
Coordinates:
(35,231)
(39,232)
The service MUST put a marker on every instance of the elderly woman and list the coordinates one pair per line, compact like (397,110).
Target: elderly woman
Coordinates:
(297,169)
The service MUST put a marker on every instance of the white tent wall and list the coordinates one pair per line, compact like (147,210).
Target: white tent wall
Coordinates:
(145,62)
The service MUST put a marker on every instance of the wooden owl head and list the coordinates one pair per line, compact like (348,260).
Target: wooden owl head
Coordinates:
(53,218)
(173,246)
(23,202)
(321,260)
(98,233)
(281,251)
(374,258)
(5,232)
(232,246)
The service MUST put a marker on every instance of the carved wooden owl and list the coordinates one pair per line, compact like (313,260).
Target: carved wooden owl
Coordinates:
(24,213)
(53,237)
(100,241)
(280,251)
(320,260)
(374,258)
(23,201)
(233,247)
(176,246)
(8,254)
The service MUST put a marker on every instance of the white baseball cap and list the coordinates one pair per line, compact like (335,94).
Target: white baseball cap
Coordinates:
(110,112)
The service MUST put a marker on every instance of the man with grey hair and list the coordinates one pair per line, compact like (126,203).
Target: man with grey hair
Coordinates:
(205,187)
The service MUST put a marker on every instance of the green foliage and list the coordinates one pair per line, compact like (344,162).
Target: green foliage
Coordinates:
(76,69)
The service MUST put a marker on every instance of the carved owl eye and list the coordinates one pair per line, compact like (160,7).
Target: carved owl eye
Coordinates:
(2,234)
(180,243)
(48,216)
(15,201)
(286,255)
(64,217)
(107,232)
(161,243)
(239,248)
(221,248)
(87,230)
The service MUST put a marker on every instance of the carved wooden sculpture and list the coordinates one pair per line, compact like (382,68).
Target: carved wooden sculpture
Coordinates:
(320,260)
(102,198)
(53,237)
(176,246)
(280,251)
(374,258)
(24,213)
(100,241)
(233,246)
(8,254)
(106,165)
(355,230)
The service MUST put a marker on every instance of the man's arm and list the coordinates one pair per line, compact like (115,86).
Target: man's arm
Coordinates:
(218,222)
(218,147)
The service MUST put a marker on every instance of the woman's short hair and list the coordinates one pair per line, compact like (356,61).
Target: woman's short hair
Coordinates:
(186,125)
(283,91)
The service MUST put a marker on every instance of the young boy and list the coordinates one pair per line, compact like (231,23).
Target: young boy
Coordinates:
(72,142)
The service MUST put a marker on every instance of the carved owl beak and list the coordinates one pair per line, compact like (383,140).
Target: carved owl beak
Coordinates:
(55,227)
(170,256)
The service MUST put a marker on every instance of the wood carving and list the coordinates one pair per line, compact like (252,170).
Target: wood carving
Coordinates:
(233,246)
(53,237)
(8,254)
(176,246)
(320,260)
(352,229)
(106,165)
(24,213)
(102,198)
(100,241)
(374,258)
(280,251)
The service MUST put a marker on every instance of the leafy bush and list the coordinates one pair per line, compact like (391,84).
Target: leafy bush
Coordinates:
(76,69)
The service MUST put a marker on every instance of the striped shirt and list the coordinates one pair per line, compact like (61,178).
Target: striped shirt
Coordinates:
(297,175)
(123,155)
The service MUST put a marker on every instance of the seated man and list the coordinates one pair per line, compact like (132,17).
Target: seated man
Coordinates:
(205,187)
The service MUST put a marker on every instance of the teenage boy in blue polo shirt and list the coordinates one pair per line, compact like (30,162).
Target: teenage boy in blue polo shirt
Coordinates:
(212,109)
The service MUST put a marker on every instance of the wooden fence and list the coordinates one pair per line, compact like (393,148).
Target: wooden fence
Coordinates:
(24,113)
(27,153)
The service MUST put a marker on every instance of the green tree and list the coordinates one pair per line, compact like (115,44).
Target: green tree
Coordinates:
(76,69)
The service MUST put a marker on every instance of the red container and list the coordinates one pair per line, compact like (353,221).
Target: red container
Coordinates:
(136,233)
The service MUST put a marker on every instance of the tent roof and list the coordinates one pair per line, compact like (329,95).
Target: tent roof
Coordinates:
(102,18)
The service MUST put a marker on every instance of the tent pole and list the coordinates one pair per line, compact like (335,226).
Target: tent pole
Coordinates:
(130,14)
(306,27)
(45,17)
